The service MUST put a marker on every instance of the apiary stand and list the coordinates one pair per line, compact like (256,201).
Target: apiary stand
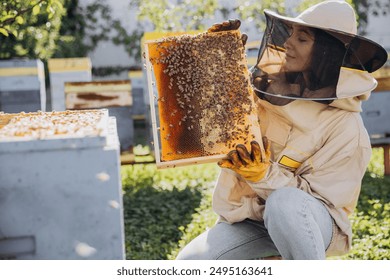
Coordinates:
(61,198)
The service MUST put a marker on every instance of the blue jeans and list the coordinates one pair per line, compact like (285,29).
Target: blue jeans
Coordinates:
(296,226)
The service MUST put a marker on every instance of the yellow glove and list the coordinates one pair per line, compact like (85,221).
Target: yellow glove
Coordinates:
(251,166)
(231,24)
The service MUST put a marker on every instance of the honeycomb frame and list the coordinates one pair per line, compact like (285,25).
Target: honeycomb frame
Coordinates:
(201,99)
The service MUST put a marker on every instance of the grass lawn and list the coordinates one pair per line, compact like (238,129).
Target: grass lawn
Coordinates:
(165,209)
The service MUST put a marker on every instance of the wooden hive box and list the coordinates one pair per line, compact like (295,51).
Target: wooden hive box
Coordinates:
(22,86)
(116,96)
(60,186)
(63,70)
(204,97)
(138,94)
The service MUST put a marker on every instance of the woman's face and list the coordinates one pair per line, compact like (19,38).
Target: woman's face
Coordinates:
(299,47)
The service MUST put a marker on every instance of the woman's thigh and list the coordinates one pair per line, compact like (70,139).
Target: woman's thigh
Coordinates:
(244,240)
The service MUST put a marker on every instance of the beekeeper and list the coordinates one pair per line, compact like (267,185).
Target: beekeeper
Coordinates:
(293,198)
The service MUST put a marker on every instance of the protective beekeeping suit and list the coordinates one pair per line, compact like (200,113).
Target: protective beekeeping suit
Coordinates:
(312,74)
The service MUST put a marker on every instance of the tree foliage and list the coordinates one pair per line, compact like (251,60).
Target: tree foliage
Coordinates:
(83,28)
(52,28)
(65,28)
(29,28)
(163,15)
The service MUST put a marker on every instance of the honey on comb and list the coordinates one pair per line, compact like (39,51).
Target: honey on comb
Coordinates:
(205,101)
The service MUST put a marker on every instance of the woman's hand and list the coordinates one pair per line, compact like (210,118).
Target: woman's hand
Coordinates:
(232,24)
(251,166)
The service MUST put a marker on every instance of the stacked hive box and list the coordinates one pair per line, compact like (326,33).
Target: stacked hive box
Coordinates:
(63,70)
(138,93)
(376,117)
(204,97)
(113,95)
(60,187)
(22,86)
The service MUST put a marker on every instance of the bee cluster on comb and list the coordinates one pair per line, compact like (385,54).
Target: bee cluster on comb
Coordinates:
(205,99)
(43,125)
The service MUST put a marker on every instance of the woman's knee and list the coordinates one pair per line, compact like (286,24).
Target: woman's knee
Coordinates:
(282,203)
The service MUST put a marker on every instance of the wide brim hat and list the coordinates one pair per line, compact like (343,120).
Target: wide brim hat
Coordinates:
(338,19)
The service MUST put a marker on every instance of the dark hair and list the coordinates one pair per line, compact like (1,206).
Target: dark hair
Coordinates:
(327,59)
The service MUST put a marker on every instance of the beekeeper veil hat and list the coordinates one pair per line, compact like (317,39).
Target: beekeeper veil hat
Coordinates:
(339,64)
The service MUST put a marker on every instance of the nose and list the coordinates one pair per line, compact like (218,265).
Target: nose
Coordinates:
(287,43)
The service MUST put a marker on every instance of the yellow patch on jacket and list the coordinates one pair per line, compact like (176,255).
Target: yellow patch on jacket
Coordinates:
(289,162)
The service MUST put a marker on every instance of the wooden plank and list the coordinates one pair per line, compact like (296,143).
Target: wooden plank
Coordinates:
(76,100)
(127,158)
(383,77)
(386,155)
(383,84)
(386,159)
(101,94)
(130,158)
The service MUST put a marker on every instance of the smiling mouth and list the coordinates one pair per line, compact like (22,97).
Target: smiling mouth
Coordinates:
(289,56)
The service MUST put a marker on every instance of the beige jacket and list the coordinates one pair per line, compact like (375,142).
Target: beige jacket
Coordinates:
(321,149)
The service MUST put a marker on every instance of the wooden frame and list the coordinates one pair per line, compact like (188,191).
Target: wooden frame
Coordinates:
(252,128)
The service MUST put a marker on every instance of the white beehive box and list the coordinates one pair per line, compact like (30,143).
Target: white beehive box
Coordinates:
(138,93)
(63,70)
(22,86)
(116,96)
(60,187)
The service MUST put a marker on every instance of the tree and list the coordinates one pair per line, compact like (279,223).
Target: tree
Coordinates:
(163,15)
(83,28)
(64,28)
(29,28)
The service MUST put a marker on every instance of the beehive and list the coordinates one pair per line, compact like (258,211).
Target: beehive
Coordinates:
(60,186)
(138,93)
(204,97)
(115,95)
(22,86)
(62,70)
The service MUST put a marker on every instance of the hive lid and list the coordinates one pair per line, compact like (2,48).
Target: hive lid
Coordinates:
(21,68)
(53,130)
(60,65)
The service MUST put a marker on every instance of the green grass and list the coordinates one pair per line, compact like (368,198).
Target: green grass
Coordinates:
(371,220)
(161,205)
(165,209)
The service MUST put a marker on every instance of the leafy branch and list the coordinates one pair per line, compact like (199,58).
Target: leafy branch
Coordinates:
(10,19)
(15,13)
